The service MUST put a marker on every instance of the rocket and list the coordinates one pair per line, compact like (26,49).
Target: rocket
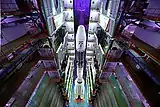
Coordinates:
(80,44)
(80,48)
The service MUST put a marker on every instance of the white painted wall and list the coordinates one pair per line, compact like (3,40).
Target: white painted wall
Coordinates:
(91,45)
(91,37)
(94,15)
(70,36)
(68,3)
(70,45)
(103,21)
(95,4)
(59,19)
(93,27)
(69,26)
(69,15)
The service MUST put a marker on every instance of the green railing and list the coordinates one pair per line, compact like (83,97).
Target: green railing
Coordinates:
(113,101)
(35,99)
(111,95)
(47,98)
(130,90)
(118,92)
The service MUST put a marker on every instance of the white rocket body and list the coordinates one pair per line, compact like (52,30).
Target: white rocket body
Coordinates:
(79,89)
(80,48)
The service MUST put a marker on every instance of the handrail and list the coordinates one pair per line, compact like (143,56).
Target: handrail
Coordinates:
(66,70)
(37,87)
(120,87)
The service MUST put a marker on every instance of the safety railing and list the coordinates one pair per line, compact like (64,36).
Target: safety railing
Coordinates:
(69,77)
(119,93)
(35,99)
(46,94)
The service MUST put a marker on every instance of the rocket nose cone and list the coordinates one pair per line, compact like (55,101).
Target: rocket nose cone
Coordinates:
(81,33)
(81,38)
(81,27)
